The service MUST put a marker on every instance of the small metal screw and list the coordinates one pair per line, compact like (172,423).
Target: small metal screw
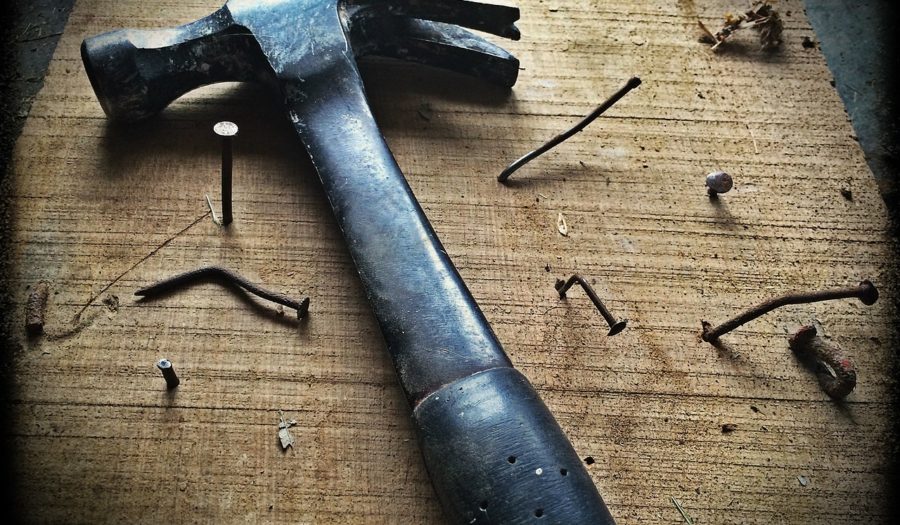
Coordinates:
(226,130)
(168,372)
(865,292)
(614,325)
(718,182)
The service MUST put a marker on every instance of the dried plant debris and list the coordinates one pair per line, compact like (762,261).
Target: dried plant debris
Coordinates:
(684,515)
(284,433)
(761,17)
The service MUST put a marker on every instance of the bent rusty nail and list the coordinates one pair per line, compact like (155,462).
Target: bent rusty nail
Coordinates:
(614,326)
(833,369)
(218,272)
(865,292)
(631,84)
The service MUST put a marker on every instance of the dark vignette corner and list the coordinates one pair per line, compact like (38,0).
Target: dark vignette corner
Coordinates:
(29,32)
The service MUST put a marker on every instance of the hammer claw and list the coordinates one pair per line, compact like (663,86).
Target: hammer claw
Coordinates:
(439,45)
(495,19)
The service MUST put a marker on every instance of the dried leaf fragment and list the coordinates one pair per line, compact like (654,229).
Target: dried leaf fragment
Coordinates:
(561,225)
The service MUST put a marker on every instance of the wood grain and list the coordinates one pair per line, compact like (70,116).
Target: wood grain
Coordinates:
(98,438)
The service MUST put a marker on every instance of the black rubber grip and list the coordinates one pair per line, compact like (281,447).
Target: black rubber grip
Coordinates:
(495,454)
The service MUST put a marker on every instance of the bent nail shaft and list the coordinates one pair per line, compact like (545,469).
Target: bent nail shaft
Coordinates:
(615,326)
(865,292)
(631,84)
(218,272)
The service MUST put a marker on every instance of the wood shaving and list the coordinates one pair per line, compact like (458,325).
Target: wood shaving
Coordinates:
(561,225)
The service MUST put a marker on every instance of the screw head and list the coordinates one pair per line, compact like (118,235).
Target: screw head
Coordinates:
(869,294)
(719,182)
(225,129)
(616,328)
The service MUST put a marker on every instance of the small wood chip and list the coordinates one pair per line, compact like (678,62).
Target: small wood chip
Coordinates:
(562,226)
(35,307)
(804,481)
(284,434)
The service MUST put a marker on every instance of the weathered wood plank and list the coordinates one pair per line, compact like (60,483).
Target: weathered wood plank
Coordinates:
(99,440)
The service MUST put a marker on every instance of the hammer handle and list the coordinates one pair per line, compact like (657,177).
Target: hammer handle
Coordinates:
(433,328)
(493,450)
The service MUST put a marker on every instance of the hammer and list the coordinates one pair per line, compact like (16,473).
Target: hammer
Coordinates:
(493,450)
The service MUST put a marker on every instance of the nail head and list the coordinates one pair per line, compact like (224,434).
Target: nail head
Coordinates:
(618,327)
(225,129)
(870,294)
(719,182)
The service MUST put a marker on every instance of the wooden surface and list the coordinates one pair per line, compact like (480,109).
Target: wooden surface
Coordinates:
(98,438)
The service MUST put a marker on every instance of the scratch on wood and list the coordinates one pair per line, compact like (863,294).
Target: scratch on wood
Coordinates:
(165,243)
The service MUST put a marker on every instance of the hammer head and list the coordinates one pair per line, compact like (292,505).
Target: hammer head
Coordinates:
(137,73)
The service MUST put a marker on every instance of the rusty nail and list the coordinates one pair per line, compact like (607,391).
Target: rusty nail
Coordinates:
(226,130)
(631,84)
(835,371)
(229,276)
(718,182)
(168,372)
(35,308)
(865,292)
(614,326)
